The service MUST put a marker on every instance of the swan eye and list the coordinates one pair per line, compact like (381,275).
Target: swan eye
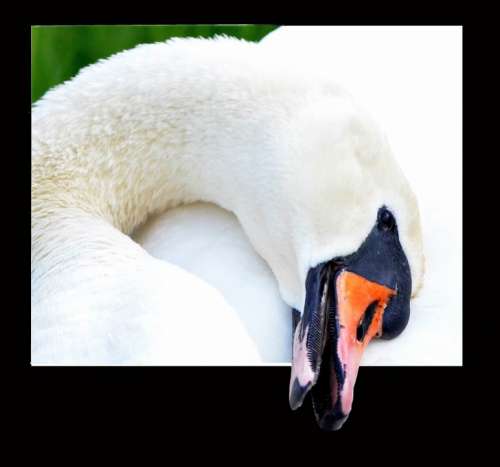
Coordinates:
(386,220)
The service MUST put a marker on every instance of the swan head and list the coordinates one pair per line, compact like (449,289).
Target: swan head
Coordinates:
(347,249)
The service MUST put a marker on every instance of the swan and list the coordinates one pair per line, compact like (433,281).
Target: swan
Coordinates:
(391,74)
(305,169)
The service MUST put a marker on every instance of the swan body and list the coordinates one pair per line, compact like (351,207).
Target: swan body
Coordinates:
(140,132)
(305,169)
(208,241)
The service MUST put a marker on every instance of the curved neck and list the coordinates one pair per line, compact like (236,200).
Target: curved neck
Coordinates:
(141,132)
(132,145)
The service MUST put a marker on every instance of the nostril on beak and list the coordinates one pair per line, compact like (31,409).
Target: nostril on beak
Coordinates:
(365,321)
(360,332)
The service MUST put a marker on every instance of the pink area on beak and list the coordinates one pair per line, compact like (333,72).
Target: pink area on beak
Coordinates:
(301,366)
(354,295)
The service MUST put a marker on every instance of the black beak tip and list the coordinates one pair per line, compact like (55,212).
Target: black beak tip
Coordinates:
(331,422)
(297,394)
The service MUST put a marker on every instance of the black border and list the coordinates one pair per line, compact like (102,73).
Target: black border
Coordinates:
(390,401)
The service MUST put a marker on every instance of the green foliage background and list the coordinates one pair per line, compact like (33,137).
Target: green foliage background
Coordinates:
(58,52)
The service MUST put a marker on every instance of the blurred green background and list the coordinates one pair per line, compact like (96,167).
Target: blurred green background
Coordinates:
(58,52)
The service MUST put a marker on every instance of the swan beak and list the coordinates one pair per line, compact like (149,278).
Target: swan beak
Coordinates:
(351,314)
(348,301)
(359,313)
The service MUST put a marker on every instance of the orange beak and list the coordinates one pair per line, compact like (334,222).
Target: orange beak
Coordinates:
(360,309)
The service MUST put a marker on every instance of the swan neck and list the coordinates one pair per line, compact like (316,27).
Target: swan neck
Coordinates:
(124,148)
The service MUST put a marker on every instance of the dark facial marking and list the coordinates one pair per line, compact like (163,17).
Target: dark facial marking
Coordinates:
(381,259)
(385,220)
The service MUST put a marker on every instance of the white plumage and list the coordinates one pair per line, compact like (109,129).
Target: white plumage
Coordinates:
(302,166)
(410,77)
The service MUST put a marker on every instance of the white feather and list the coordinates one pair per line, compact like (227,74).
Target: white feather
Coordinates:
(302,166)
